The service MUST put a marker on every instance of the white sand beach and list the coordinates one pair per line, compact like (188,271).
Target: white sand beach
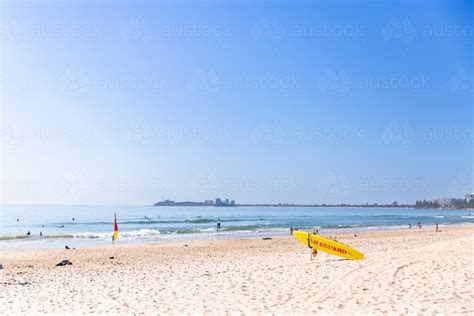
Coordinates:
(404,272)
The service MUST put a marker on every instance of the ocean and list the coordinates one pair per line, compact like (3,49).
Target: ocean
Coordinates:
(93,225)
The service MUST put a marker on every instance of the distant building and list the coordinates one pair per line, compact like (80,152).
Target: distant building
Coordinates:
(209,202)
(444,202)
(226,202)
(469,197)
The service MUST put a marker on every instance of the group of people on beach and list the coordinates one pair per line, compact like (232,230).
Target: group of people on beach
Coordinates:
(419,225)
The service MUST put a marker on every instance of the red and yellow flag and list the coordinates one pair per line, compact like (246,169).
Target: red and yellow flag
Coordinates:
(115,236)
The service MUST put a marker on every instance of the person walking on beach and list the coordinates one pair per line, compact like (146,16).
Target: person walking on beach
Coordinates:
(437,227)
(291,230)
(409,226)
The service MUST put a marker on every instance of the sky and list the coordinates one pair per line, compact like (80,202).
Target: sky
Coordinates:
(130,102)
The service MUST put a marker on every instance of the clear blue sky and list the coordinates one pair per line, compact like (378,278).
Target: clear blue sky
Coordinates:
(311,102)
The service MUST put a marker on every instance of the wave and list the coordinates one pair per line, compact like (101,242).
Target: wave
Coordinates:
(438,216)
(150,221)
(343,226)
(24,236)
(133,233)
(11,237)
(201,221)
(467,216)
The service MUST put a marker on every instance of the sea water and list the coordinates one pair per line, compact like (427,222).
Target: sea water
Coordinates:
(79,226)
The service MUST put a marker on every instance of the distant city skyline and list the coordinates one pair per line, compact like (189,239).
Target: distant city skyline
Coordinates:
(262,102)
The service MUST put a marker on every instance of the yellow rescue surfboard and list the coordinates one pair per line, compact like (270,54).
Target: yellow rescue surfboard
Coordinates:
(327,245)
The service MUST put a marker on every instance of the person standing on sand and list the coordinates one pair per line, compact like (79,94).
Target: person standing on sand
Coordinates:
(409,226)
(437,227)
(291,230)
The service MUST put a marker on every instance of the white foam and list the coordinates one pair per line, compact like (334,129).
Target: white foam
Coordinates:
(131,234)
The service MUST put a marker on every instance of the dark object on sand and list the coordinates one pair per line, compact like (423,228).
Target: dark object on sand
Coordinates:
(1,266)
(267,238)
(111,257)
(67,247)
(64,263)
(185,245)
(28,233)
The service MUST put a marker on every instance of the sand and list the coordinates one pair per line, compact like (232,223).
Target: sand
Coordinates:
(404,272)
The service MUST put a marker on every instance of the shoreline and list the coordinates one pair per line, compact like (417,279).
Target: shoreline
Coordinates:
(404,272)
(85,242)
(339,233)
